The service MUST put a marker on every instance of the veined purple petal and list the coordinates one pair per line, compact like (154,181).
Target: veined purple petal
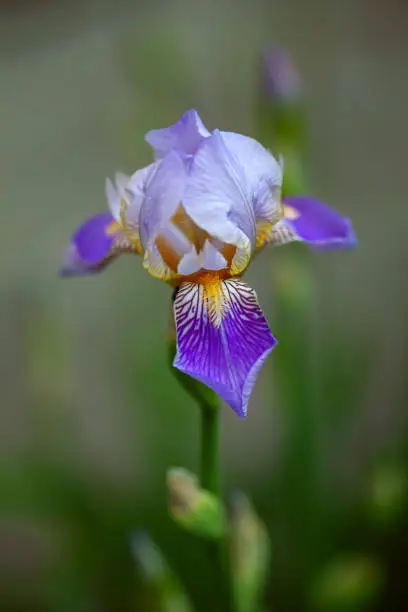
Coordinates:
(184,136)
(222,337)
(318,224)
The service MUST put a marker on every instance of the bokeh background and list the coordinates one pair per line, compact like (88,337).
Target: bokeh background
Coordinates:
(91,415)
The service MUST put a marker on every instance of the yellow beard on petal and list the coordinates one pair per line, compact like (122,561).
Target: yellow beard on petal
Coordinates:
(132,236)
(263,231)
(113,228)
(264,227)
(216,299)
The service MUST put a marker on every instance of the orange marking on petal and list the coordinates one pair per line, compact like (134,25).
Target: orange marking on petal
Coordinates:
(131,235)
(194,234)
(228,251)
(169,255)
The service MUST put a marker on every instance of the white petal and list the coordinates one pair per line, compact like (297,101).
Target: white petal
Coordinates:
(207,259)
(190,263)
(135,189)
(121,180)
(263,174)
(212,258)
(163,193)
(217,196)
(114,194)
(113,199)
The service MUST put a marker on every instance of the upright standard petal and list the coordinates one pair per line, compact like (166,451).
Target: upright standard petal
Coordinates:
(222,337)
(115,193)
(93,245)
(163,194)
(263,174)
(309,220)
(134,193)
(218,197)
(185,136)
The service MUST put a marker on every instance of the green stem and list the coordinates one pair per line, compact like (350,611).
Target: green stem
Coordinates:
(210,480)
(210,471)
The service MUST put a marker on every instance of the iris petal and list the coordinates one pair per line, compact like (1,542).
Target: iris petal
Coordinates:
(263,174)
(134,193)
(185,136)
(93,238)
(218,197)
(115,193)
(318,224)
(207,259)
(163,194)
(222,337)
(95,243)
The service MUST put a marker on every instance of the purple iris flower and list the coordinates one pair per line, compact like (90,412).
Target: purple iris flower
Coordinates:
(197,215)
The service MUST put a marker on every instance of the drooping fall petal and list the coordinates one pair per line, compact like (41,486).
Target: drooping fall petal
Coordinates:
(222,337)
(94,244)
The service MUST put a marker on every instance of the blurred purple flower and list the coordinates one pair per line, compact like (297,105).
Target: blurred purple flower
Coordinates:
(280,79)
(197,215)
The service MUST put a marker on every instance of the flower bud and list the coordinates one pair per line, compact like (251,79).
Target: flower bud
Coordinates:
(196,510)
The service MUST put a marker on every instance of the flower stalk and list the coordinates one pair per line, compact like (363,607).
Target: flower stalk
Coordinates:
(210,471)
(210,478)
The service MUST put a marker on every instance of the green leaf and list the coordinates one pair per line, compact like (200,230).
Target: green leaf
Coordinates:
(250,554)
(163,591)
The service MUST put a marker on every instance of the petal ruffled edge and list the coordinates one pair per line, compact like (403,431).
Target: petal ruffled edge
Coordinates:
(223,338)
(184,136)
(218,198)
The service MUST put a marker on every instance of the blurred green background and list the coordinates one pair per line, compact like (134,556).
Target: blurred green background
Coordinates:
(91,415)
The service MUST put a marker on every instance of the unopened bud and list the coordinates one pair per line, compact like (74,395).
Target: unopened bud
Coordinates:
(195,509)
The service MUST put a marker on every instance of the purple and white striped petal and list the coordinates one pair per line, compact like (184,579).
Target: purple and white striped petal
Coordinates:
(317,224)
(222,337)
(94,244)
(185,136)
